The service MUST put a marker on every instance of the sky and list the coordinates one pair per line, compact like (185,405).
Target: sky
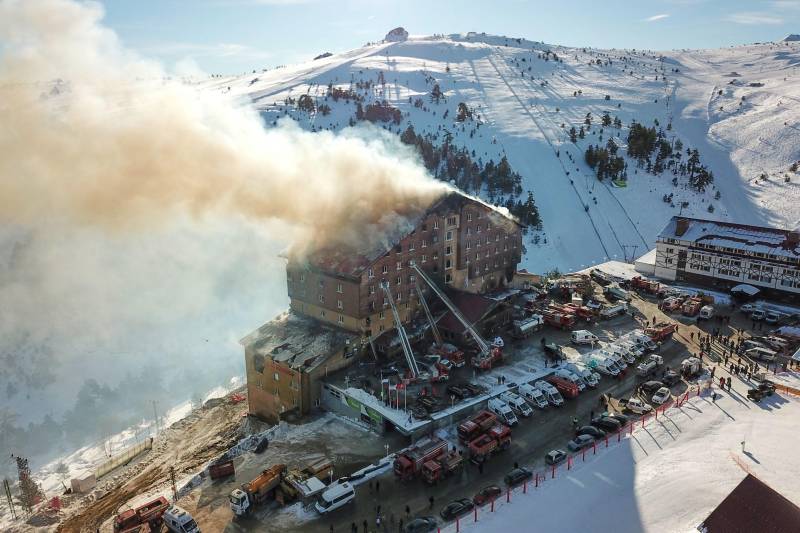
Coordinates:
(234,36)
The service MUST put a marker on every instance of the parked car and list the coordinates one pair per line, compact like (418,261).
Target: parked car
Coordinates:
(458,391)
(747,308)
(661,396)
(650,387)
(670,378)
(580,442)
(517,476)
(622,419)
(606,423)
(457,508)
(758,314)
(423,524)
(555,457)
(487,494)
(636,405)
(592,431)
(772,317)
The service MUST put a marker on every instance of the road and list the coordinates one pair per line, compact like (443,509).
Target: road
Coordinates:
(532,439)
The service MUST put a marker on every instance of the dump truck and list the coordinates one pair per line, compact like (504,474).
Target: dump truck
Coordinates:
(257,491)
(476,425)
(304,483)
(148,515)
(661,331)
(559,320)
(645,285)
(567,388)
(496,439)
(222,468)
(446,464)
(408,463)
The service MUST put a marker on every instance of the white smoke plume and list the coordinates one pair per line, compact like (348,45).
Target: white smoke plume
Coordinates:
(140,218)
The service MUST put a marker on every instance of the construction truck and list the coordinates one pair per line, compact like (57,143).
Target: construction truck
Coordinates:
(257,491)
(645,285)
(470,429)
(661,331)
(304,483)
(437,469)
(149,515)
(567,388)
(408,463)
(495,440)
(558,320)
(691,307)
(221,468)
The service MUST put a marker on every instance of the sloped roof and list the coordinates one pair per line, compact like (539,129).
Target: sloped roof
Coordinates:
(753,506)
(771,241)
(473,306)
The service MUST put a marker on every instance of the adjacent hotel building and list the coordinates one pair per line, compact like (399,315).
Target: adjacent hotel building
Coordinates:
(723,254)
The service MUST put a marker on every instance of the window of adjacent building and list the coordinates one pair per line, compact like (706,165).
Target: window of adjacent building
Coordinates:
(469,217)
(448,264)
(448,278)
(469,230)
(321,298)
(451,221)
(385,269)
(435,224)
(478,228)
(370,274)
(448,250)
(411,246)
(399,265)
(424,243)
(449,236)
(477,256)
(382,315)
(424,258)
(399,280)
(399,296)
(469,245)
(339,304)
(340,319)
(380,327)
(339,288)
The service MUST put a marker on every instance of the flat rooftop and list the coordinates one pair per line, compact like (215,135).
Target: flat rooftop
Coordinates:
(301,342)
(757,239)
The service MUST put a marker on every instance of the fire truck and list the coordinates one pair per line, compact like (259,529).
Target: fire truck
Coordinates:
(566,388)
(476,425)
(645,285)
(441,467)
(408,464)
(660,331)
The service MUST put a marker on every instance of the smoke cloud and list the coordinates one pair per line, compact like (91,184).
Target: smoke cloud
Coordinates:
(141,219)
(93,134)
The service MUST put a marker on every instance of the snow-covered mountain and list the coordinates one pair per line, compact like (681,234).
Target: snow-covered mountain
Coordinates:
(738,107)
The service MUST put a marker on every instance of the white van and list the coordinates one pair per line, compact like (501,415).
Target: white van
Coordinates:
(550,392)
(571,377)
(517,404)
(583,336)
(589,378)
(532,395)
(178,520)
(503,412)
(761,353)
(706,312)
(334,497)
(603,364)
(615,354)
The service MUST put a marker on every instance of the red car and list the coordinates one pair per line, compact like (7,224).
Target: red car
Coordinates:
(487,494)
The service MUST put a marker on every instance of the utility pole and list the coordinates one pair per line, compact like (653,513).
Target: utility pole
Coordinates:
(9,498)
(155,416)
(174,485)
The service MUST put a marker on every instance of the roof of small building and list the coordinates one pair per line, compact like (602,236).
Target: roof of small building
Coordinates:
(770,241)
(351,262)
(753,506)
(473,306)
(301,342)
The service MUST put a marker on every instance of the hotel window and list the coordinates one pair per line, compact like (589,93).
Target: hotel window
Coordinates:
(435,256)
(382,315)
(321,298)
(469,245)
(478,228)
(372,289)
(339,288)
(469,217)
(340,320)
(448,250)
(399,265)
(339,304)
(435,224)
(451,221)
(449,236)
(411,246)
(424,243)
(385,269)
(448,264)
(399,280)
(370,274)
(424,258)
(448,278)
(322,313)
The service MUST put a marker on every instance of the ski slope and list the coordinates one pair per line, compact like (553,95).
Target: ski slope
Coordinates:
(525,106)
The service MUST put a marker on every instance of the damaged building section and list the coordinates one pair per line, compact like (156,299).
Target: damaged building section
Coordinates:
(286,357)
(343,301)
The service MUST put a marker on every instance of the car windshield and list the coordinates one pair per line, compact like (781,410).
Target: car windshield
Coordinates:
(191,525)
(324,503)
(236,500)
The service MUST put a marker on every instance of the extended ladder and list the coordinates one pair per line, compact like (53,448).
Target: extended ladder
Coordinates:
(401,332)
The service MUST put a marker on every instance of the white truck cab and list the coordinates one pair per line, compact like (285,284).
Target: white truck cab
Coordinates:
(178,520)
(583,336)
(550,392)
(706,312)
(503,411)
(533,395)
(517,404)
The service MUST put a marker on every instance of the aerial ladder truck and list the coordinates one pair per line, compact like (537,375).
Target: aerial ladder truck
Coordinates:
(487,355)
(401,332)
